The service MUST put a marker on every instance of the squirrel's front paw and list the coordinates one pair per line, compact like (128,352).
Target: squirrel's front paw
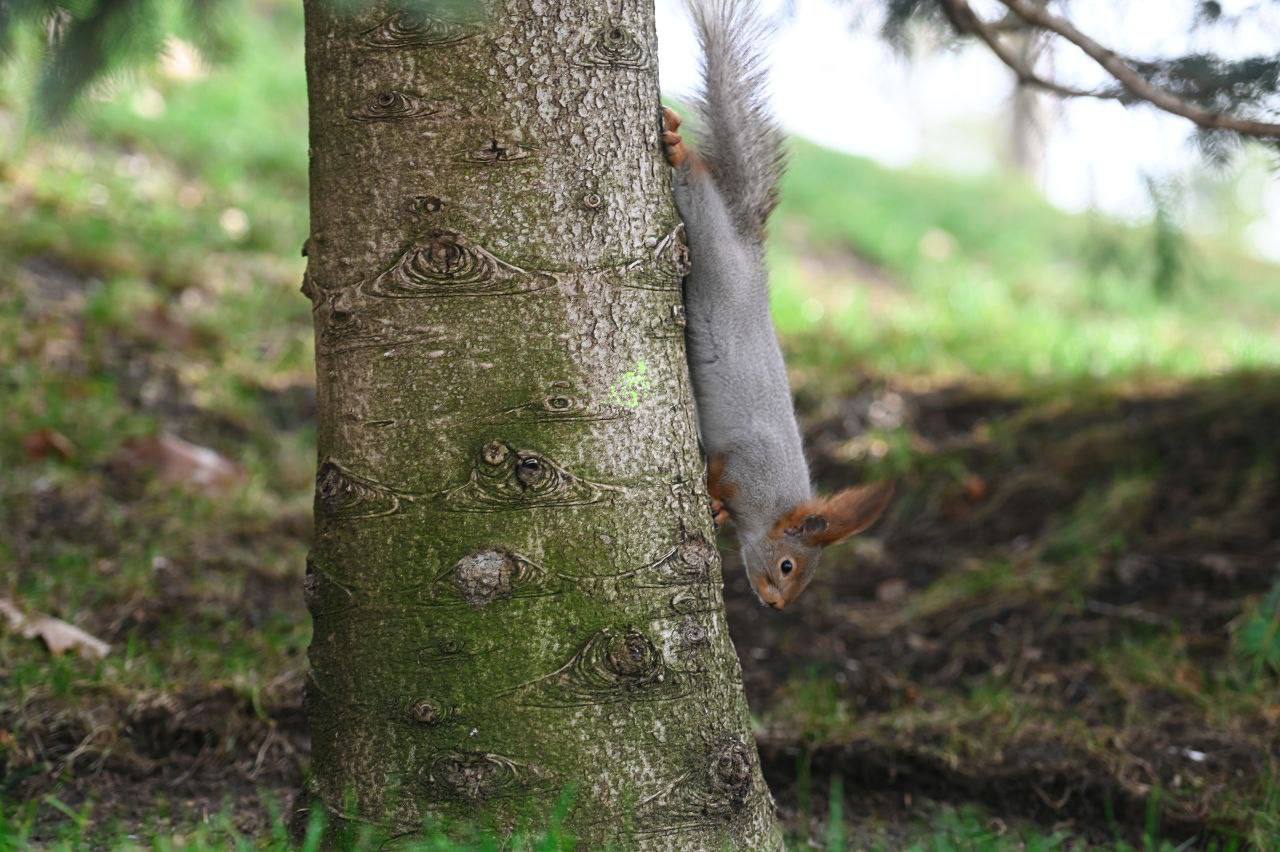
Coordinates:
(719,514)
(672,143)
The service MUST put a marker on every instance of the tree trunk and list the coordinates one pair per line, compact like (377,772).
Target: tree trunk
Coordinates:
(1028,119)
(514,584)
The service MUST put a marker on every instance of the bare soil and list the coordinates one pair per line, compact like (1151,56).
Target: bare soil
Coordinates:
(1079,747)
(1069,743)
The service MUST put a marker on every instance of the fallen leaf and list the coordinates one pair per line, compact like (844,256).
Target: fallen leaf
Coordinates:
(180,462)
(57,635)
(975,487)
(46,442)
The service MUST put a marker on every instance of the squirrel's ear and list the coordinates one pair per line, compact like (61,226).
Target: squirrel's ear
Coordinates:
(801,522)
(847,513)
(812,525)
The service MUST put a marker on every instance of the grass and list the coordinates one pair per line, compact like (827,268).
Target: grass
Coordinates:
(900,269)
(218,832)
(149,276)
(944,829)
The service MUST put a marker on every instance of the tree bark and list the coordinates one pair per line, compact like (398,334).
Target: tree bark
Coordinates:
(1027,115)
(514,584)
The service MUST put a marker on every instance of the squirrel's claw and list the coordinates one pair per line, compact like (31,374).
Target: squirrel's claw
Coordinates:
(672,143)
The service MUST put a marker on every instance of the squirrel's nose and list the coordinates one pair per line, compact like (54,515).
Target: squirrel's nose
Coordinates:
(769,594)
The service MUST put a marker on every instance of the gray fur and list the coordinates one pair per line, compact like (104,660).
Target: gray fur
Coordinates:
(745,409)
(740,382)
(742,145)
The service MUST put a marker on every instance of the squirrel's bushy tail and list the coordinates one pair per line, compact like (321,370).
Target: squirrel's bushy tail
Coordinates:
(740,141)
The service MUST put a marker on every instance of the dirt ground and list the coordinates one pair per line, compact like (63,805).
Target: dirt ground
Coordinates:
(1047,624)
(1130,522)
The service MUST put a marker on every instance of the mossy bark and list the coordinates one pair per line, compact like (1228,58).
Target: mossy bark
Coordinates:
(514,585)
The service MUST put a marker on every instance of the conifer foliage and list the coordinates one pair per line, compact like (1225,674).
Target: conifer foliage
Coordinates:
(1226,98)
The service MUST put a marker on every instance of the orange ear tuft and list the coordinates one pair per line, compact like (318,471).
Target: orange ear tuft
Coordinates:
(847,513)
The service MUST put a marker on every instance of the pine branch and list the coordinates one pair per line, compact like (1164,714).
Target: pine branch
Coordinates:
(81,54)
(967,21)
(1213,82)
(1134,83)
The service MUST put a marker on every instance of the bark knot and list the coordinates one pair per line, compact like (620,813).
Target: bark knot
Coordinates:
(730,774)
(482,578)
(392,105)
(510,478)
(633,656)
(425,712)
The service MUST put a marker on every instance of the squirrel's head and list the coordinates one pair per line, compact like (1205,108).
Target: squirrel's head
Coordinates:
(781,562)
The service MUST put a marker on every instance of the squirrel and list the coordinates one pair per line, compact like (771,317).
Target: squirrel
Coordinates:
(724,191)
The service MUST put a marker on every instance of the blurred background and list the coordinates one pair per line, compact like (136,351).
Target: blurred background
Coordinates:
(1056,323)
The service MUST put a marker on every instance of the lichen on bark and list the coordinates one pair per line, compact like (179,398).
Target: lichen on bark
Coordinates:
(512,584)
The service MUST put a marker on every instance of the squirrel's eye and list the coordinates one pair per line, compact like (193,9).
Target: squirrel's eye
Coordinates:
(785,566)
